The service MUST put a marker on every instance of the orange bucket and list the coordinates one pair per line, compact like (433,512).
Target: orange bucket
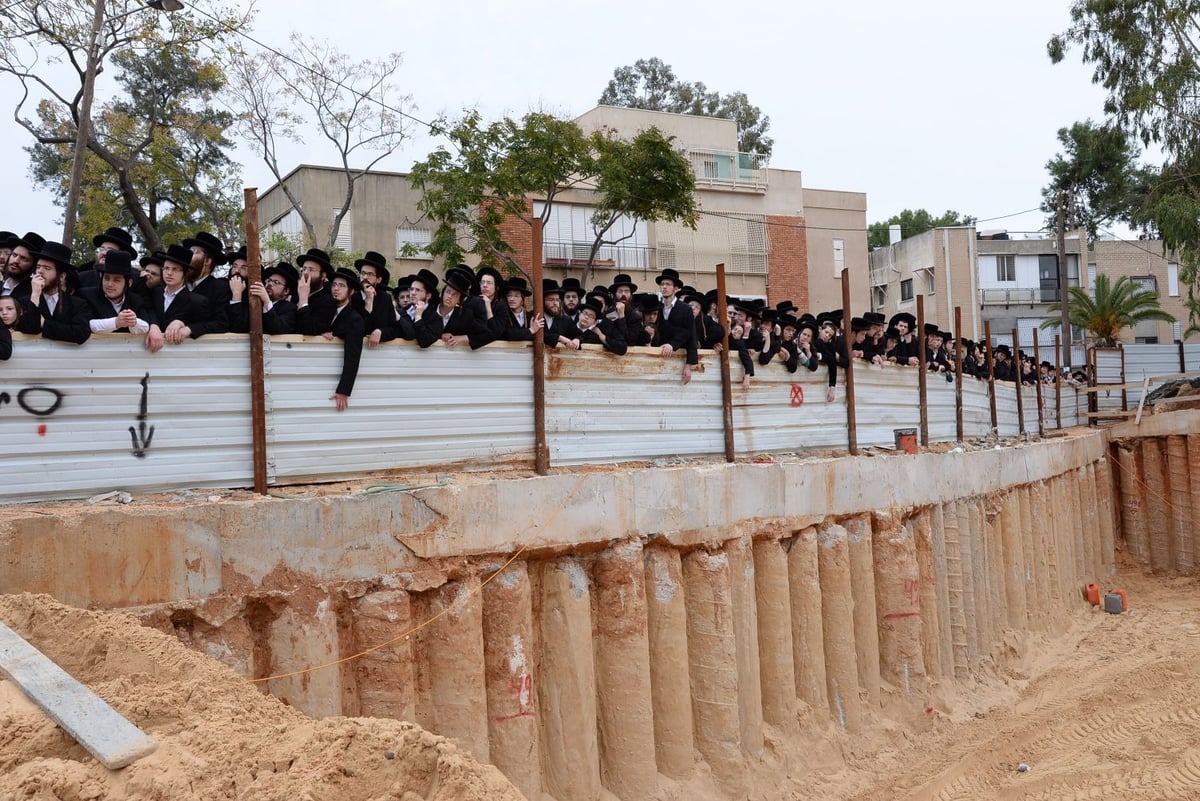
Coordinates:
(906,439)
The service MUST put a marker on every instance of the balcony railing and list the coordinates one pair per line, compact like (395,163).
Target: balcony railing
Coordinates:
(1020,296)
(727,170)
(618,257)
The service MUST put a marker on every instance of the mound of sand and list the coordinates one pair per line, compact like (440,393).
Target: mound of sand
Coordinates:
(219,737)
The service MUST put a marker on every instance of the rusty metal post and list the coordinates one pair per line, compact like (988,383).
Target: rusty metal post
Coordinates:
(258,382)
(1124,392)
(1017,385)
(851,416)
(987,334)
(726,381)
(1058,381)
(921,375)
(541,451)
(958,387)
(1037,362)
(1182,358)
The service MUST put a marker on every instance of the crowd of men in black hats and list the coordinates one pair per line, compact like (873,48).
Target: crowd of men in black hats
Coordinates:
(176,295)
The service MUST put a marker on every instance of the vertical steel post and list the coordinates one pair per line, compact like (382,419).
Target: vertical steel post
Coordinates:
(1017,385)
(851,416)
(1037,361)
(726,381)
(258,383)
(541,451)
(1058,381)
(958,375)
(987,334)
(922,374)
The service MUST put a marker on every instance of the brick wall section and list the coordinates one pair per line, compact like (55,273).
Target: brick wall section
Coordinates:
(519,235)
(787,264)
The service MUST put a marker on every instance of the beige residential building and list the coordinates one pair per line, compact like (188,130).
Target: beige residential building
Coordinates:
(1150,266)
(777,239)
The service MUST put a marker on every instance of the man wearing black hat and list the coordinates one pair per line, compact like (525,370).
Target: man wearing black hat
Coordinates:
(560,329)
(460,325)
(595,329)
(275,292)
(676,326)
(113,239)
(624,309)
(1002,367)
(375,303)
(173,306)
(209,253)
(338,319)
(420,321)
(239,264)
(572,295)
(18,268)
(516,324)
(112,307)
(906,352)
(48,310)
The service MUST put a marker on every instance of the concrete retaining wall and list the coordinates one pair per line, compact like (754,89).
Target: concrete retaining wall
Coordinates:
(616,631)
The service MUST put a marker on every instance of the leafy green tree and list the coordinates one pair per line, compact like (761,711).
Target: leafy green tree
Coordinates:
(496,170)
(652,84)
(1099,175)
(166,154)
(1146,54)
(912,222)
(1115,307)
(161,120)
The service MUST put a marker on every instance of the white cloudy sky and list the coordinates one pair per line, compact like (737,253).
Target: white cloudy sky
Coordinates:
(936,103)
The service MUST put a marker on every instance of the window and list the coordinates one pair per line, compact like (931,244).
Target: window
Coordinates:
(345,237)
(1173,280)
(418,238)
(906,289)
(880,297)
(930,284)
(568,235)
(839,257)
(1146,332)
(1006,268)
(1176,331)
(1145,283)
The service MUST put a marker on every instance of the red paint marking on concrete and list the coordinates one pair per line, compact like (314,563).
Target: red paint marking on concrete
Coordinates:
(42,430)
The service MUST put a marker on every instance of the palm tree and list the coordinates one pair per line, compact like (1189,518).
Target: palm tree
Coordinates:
(1116,306)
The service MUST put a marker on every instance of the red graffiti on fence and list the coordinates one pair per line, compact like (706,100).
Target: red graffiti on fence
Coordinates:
(797,395)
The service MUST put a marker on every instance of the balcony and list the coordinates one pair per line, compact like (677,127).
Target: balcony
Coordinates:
(1019,296)
(622,258)
(722,169)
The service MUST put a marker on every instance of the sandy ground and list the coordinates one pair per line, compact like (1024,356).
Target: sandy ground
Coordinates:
(1105,707)
(1109,708)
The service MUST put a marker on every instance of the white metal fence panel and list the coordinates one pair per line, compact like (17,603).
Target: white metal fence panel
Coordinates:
(605,408)
(1191,357)
(109,415)
(784,411)
(885,399)
(977,410)
(1109,371)
(941,401)
(1147,361)
(1006,409)
(410,407)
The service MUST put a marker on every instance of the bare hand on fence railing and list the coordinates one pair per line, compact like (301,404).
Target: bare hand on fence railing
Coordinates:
(375,338)
(340,400)
(667,350)
(687,373)
(154,339)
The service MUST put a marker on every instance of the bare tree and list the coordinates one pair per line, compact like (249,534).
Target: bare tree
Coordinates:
(354,105)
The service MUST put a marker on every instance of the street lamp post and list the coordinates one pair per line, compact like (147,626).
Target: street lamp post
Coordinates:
(84,123)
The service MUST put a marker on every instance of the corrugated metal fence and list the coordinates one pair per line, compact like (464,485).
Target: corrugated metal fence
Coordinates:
(80,420)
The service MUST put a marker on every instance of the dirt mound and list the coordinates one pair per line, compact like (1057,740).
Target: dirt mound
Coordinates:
(219,737)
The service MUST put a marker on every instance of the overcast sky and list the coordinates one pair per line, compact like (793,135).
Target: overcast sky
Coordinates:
(934,104)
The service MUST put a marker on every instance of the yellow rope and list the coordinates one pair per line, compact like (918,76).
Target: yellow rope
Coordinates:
(460,601)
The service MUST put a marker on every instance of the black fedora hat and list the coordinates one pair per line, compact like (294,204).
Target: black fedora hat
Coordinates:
(179,254)
(157,257)
(214,247)
(903,316)
(33,242)
(931,329)
(118,262)
(376,260)
(647,302)
(551,287)
(622,280)
(788,320)
(56,252)
(349,276)
(460,280)
(669,274)
(593,302)
(234,255)
(119,237)
(425,278)
(874,318)
(8,239)
(285,270)
(571,284)
(809,322)
(517,284)
(786,307)
(404,283)
(313,254)
(858,324)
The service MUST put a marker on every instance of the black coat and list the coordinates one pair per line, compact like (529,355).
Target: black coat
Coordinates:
(70,322)
(347,326)
(678,330)
(425,329)
(464,322)
(5,343)
(745,347)
(216,292)
(101,308)
(560,328)
(280,319)
(188,308)
(614,334)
